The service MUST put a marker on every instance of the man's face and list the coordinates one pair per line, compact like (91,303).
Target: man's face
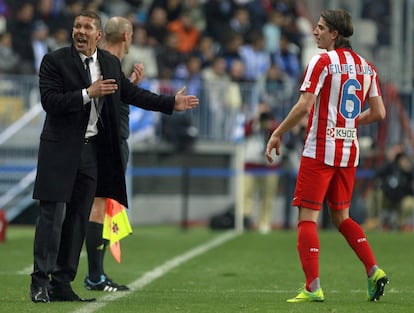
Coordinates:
(324,38)
(85,35)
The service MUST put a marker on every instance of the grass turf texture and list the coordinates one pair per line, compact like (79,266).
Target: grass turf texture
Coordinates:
(249,273)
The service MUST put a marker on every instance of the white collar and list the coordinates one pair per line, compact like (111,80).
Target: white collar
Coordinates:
(94,56)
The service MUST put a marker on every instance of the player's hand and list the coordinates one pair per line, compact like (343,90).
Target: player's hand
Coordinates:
(273,143)
(102,87)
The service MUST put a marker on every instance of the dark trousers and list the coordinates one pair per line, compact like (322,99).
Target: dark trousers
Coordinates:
(61,227)
(124,153)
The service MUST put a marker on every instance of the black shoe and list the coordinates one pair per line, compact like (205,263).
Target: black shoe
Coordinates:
(39,294)
(106,284)
(58,293)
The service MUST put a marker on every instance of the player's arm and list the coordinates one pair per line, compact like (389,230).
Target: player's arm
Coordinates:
(375,112)
(296,114)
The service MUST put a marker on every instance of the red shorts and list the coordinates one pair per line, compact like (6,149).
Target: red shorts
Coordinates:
(316,180)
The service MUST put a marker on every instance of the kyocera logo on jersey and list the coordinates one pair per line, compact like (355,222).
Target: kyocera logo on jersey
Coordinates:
(342,133)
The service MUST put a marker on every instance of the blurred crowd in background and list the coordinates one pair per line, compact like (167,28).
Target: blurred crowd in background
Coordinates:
(237,56)
(232,54)
(169,32)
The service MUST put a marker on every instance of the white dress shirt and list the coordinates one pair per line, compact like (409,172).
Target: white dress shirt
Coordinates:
(95,71)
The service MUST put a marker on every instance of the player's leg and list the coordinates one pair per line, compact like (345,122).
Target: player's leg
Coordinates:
(309,198)
(339,199)
(95,245)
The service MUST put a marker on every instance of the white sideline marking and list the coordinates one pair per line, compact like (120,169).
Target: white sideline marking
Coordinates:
(158,272)
(26,271)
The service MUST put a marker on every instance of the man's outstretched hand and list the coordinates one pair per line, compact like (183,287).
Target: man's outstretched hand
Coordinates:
(185,102)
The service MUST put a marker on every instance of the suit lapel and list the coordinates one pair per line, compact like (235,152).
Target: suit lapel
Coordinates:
(105,69)
(104,72)
(103,63)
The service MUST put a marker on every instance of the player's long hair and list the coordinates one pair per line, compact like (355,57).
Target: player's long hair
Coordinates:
(341,21)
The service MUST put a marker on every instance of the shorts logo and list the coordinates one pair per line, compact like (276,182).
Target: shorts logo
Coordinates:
(342,133)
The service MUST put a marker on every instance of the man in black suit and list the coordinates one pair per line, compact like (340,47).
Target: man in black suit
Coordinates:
(80,141)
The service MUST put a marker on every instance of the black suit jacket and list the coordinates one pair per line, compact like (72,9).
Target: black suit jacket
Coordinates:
(61,80)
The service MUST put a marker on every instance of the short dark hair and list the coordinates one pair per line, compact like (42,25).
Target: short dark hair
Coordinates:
(265,116)
(94,15)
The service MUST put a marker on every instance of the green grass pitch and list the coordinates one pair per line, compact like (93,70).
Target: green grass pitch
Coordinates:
(247,273)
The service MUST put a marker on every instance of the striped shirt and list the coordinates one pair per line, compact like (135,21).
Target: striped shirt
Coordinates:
(341,80)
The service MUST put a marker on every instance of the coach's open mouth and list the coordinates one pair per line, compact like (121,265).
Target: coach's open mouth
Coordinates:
(80,42)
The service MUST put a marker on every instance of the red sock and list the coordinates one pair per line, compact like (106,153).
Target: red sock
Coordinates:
(356,238)
(308,248)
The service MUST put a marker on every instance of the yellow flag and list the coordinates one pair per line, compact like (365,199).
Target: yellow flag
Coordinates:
(116,226)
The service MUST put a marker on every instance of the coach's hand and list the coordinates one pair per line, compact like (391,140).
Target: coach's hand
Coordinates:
(102,87)
(183,102)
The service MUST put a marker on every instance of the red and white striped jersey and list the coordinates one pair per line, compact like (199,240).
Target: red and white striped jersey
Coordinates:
(341,80)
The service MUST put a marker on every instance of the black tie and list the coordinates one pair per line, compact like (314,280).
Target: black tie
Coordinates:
(88,70)
(98,106)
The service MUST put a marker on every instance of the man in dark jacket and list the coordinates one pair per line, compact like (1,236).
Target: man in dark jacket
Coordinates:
(80,139)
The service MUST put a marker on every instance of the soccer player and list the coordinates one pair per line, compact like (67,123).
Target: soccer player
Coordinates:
(336,84)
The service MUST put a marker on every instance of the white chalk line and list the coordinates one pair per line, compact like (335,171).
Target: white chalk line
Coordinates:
(158,272)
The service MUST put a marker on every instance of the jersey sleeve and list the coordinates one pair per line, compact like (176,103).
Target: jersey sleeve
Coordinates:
(315,75)
(374,89)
